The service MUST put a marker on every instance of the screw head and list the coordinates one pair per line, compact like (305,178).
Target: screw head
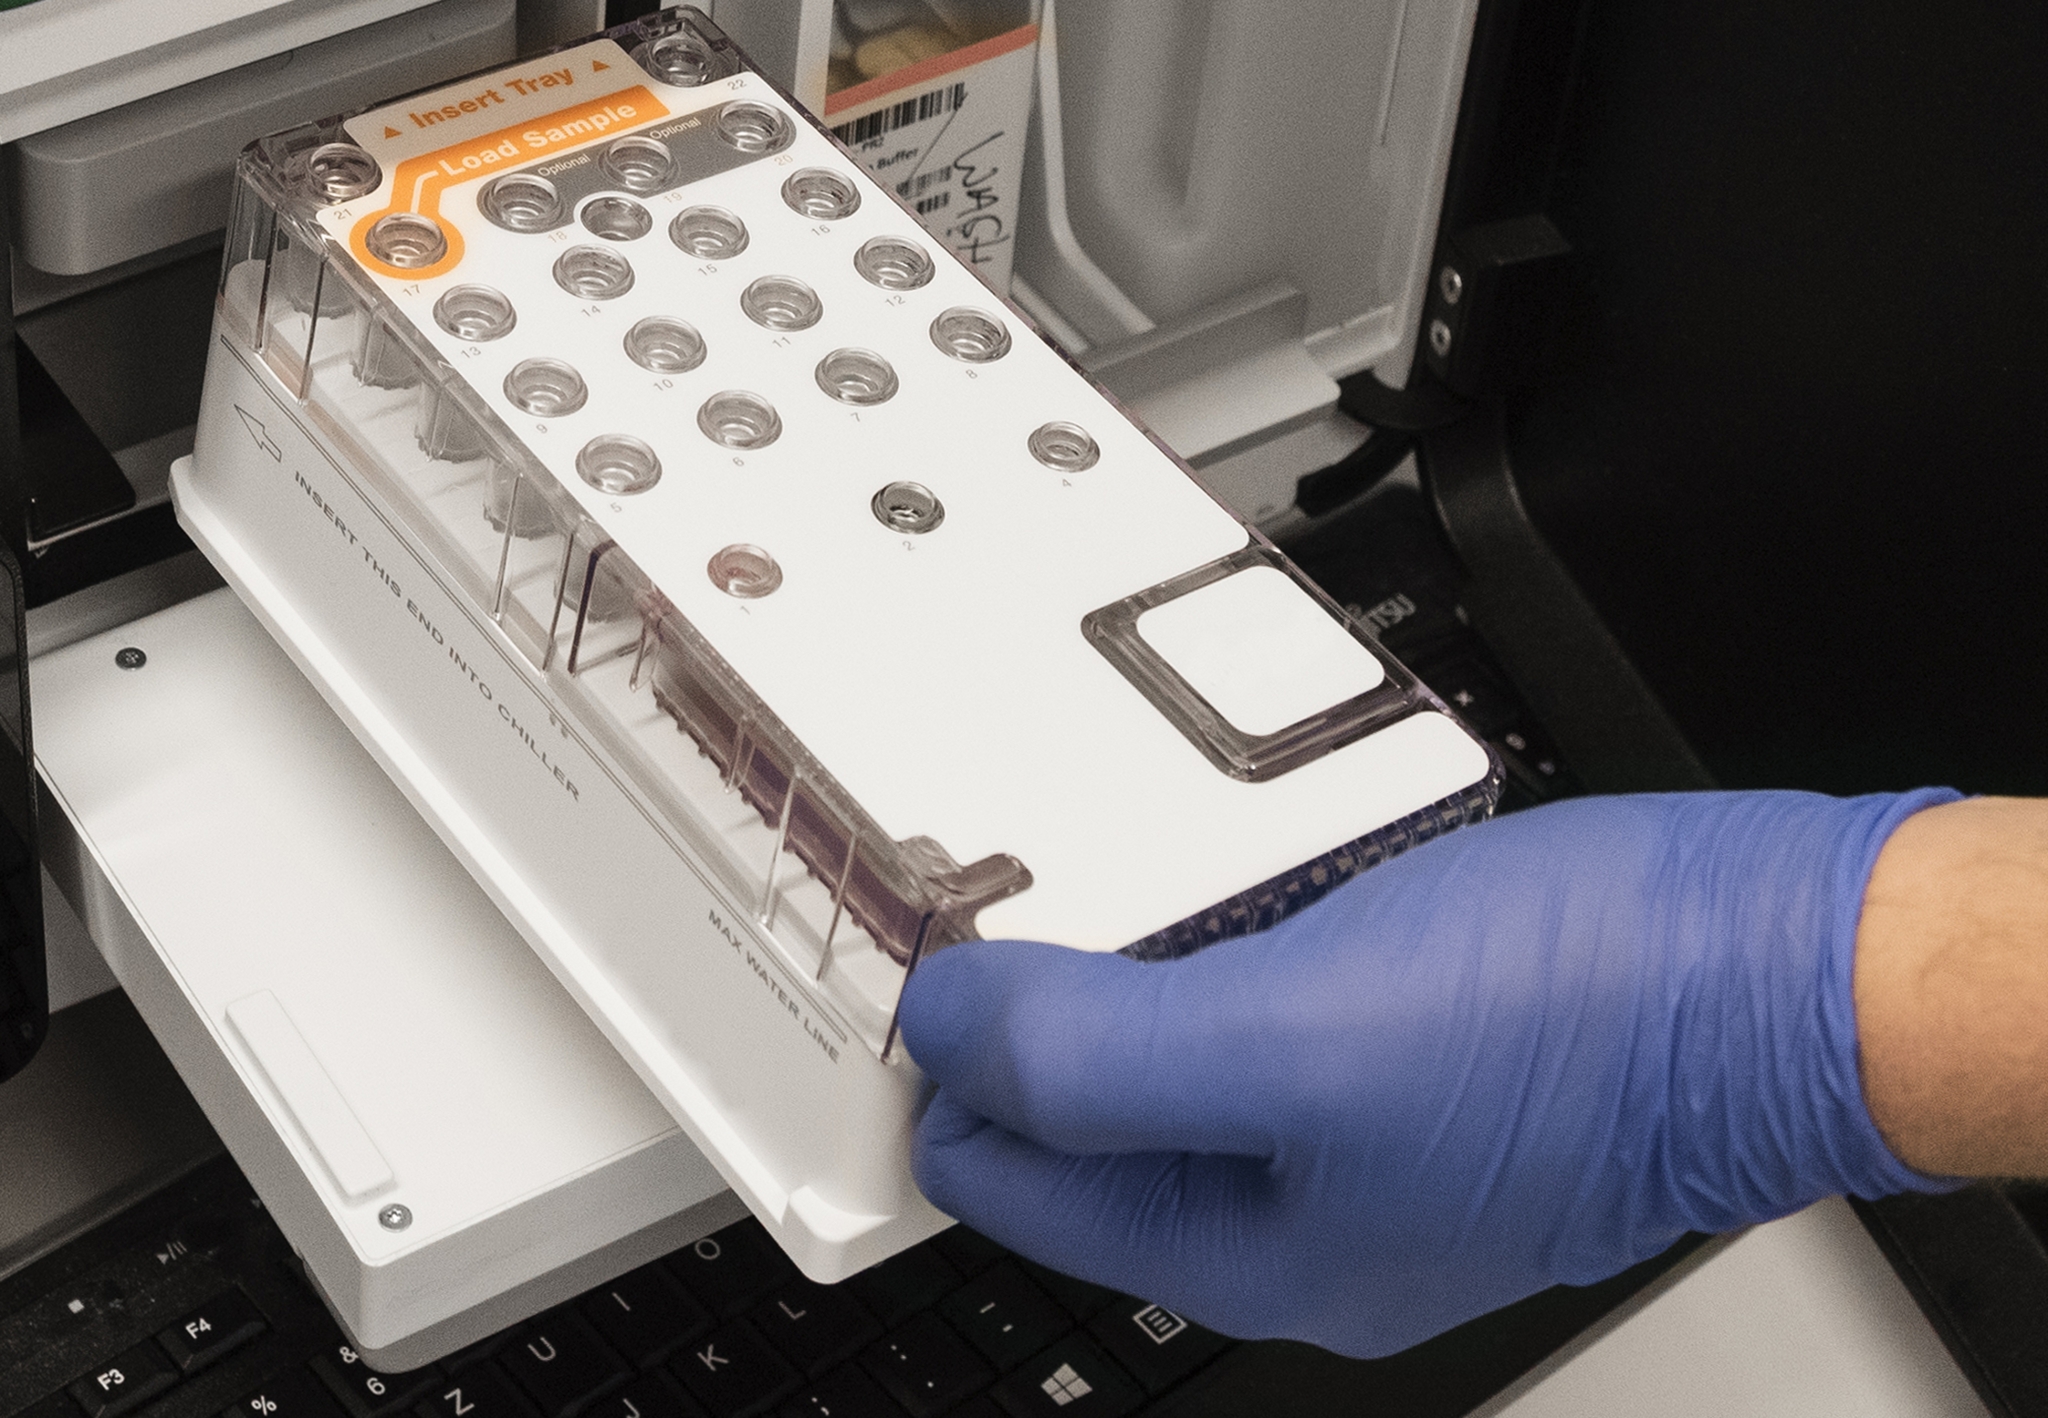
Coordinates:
(130,658)
(395,1217)
(1440,338)
(1450,285)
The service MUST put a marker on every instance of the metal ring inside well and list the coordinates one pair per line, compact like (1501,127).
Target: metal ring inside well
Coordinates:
(908,507)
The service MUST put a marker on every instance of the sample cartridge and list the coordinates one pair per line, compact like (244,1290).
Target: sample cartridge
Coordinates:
(754,602)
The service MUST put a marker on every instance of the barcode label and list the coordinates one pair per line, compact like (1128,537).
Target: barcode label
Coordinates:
(933,104)
(912,188)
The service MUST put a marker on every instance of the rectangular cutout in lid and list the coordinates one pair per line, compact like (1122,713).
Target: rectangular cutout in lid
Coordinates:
(1259,649)
(1251,664)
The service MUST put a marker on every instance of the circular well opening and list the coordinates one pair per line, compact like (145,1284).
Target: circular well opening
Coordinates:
(679,60)
(782,303)
(709,233)
(521,201)
(618,464)
(665,345)
(341,172)
(638,164)
(617,219)
(893,263)
(971,336)
(593,273)
(744,571)
(1065,447)
(475,313)
(908,507)
(546,388)
(407,240)
(739,419)
(821,194)
(859,377)
(754,127)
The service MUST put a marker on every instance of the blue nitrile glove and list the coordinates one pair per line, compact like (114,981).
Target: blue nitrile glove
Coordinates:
(1535,1051)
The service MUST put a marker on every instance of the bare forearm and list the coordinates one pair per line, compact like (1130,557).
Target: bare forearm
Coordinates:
(1952,989)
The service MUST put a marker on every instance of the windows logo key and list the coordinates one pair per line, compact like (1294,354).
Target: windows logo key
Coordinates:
(1065,1386)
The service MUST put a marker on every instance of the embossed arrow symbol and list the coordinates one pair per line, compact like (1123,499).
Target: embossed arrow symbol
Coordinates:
(262,435)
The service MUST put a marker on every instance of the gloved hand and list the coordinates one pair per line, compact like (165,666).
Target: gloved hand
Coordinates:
(1538,1050)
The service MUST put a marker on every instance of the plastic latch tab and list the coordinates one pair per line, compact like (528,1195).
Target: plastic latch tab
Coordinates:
(308,1093)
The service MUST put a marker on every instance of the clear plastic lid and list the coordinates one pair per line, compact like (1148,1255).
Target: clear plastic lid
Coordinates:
(489,333)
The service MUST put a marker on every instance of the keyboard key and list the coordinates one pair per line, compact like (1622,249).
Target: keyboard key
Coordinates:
(733,1372)
(1005,1316)
(645,1315)
(815,1326)
(652,1395)
(364,1392)
(57,1405)
(1074,1379)
(730,1269)
(561,1363)
(1080,1298)
(202,1335)
(478,1352)
(905,1283)
(969,1251)
(480,1391)
(1154,1345)
(844,1393)
(291,1394)
(131,1378)
(926,1367)
(982,1407)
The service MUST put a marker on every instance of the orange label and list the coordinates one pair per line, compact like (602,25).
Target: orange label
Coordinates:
(419,180)
(926,70)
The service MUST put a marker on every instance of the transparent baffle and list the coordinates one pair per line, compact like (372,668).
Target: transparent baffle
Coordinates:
(847,907)
(275,279)
(470,495)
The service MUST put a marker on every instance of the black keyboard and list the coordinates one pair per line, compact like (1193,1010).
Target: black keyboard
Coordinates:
(193,1306)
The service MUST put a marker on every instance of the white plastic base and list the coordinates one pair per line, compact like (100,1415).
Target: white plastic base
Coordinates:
(805,1122)
(358,1021)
